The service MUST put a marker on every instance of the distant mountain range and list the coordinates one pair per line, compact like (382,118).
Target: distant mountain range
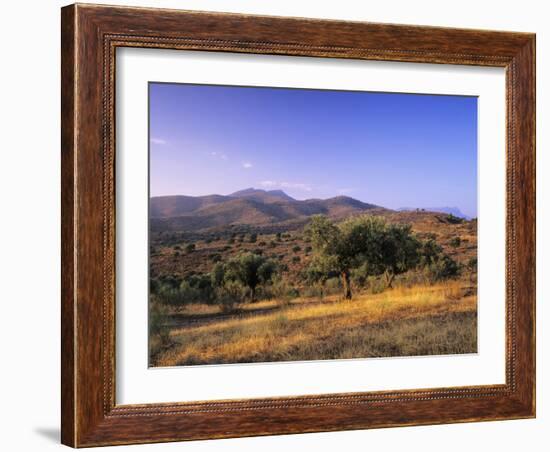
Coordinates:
(452,210)
(250,206)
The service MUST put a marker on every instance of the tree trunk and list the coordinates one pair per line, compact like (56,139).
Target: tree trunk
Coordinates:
(253,294)
(389,279)
(347,285)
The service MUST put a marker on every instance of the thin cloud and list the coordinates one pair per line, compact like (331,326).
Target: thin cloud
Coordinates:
(247,165)
(158,140)
(284,184)
(219,155)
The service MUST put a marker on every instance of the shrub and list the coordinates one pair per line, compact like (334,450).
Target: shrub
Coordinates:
(375,285)
(157,312)
(283,291)
(443,268)
(190,247)
(333,285)
(215,258)
(295,259)
(217,275)
(429,252)
(455,242)
(253,237)
(472,267)
(250,270)
(296,248)
(360,275)
(308,249)
(315,290)
(453,219)
(158,331)
(230,295)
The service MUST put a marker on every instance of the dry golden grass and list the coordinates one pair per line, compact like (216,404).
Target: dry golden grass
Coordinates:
(422,320)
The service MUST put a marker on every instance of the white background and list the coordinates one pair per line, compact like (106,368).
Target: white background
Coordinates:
(137,384)
(30,225)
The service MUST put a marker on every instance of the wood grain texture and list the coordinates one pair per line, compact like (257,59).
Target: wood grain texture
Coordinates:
(90,36)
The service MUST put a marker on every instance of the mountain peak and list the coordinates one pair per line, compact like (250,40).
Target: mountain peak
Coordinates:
(264,195)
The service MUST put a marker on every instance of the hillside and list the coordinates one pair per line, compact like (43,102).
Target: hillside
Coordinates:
(251,207)
(449,210)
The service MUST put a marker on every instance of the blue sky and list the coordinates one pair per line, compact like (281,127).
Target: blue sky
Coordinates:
(394,150)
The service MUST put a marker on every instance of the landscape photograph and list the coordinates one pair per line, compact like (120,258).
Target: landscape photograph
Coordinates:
(302,224)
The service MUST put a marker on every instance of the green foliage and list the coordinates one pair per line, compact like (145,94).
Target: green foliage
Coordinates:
(253,237)
(190,247)
(472,267)
(157,327)
(443,268)
(453,219)
(215,258)
(400,251)
(333,284)
(230,295)
(363,241)
(295,259)
(360,275)
(266,271)
(314,274)
(429,252)
(250,270)
(283,291)
(296,248)
(218,275)
(455,242)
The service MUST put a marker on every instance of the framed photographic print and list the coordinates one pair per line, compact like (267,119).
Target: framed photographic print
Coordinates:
(280,225)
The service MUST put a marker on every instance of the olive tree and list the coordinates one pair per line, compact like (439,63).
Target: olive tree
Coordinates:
(400,251)
(250,270)
(365,241)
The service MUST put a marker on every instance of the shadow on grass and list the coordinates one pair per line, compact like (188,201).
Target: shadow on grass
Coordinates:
(447,334)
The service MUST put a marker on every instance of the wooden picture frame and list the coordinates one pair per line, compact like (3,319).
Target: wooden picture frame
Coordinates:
(90,36)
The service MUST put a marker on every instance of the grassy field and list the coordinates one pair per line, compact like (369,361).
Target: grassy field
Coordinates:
(405,321)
